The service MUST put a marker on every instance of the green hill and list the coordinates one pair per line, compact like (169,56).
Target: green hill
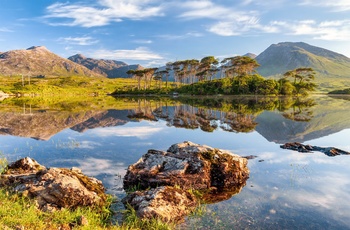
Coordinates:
(332,69)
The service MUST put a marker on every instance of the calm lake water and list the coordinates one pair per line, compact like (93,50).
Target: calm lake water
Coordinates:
(286,189)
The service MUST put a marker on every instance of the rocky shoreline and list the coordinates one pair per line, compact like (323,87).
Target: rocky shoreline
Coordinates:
(167,185)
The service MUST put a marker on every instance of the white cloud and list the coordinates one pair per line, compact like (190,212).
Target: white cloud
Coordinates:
(142,41)
(83,41)
(4,29)
(139,132)
(140,54)
(227,20)
(338,30)
(335,5)
(102,13)
(183,36)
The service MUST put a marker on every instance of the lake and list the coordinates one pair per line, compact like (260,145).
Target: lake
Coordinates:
(286,189)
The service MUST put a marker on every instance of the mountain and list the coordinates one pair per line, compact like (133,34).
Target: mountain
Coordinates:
(107,68)
(279,58)
(37,60)
(253,56)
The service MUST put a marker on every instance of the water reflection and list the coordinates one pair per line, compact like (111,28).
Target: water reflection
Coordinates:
(236,114)
(287,190)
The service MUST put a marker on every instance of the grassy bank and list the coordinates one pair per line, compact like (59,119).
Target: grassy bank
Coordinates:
(64,85)
(18,212)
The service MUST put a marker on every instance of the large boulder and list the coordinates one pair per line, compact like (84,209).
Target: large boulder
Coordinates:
(164,179)
(53,188)
(188,165)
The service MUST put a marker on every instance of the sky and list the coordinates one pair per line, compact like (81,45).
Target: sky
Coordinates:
(154,32)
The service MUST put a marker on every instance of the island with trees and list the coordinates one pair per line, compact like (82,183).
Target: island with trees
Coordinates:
(232,76)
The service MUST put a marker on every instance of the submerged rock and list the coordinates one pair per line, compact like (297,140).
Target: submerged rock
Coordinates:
(214,173)
(329,151)
(53,188)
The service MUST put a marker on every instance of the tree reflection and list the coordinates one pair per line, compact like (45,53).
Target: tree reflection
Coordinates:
(235,114)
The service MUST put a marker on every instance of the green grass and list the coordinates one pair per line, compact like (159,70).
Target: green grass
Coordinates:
(17,211)
(74,85)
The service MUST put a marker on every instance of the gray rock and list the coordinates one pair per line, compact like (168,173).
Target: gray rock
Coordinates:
(165,202)
(188,165)
(53,188)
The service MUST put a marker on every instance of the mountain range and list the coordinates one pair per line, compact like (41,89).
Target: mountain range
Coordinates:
(274,61)
(107,68)
(37,60)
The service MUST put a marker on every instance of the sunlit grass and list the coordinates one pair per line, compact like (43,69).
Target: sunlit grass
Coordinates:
(18,212)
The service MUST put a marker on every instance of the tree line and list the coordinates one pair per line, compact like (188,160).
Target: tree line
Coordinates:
(232,75)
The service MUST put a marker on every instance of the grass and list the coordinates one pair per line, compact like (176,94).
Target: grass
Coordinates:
(131,221)
(17,211)
(74,85)
(20,212)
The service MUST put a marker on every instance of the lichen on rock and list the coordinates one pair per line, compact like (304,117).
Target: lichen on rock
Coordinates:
(53,188)
(165,202)
(216,174)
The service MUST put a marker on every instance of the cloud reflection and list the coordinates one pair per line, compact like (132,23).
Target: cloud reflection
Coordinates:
(139,132)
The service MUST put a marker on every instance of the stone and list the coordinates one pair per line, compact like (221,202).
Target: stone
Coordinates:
(170,204)
(188,165)
(53,188)
(82,221)
(329,151)
(164,178)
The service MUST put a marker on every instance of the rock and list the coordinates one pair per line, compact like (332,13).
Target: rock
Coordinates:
(329,151)
(188,165)
(215,174)
(53,188)
(165,202)
(250,157)
(83,221)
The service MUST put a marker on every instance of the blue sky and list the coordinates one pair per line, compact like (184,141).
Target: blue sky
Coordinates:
(153,32)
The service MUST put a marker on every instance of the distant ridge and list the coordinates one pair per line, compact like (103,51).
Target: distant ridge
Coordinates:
(279,58)
(38,60)
(107,68)
(251,55)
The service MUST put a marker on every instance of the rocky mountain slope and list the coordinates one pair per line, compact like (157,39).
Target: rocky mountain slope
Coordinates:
(107,68)
(38,60)
(279,58)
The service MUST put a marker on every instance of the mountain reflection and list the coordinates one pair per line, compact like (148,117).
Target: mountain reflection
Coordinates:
(32,118)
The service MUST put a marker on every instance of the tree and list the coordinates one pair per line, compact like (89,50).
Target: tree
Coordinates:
(303,78)
(207,68)
(243,65)
(138,74)
(148,76)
